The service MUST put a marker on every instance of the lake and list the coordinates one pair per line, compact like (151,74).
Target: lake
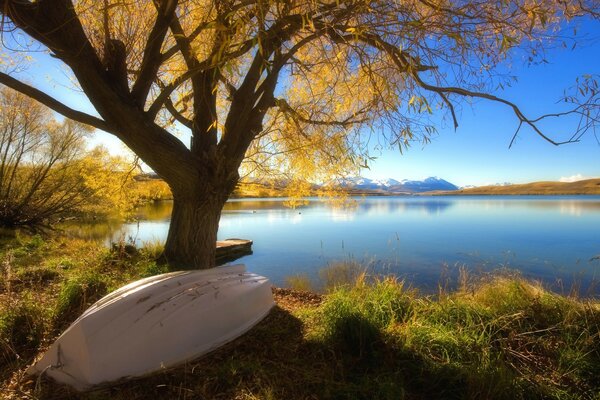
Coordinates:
(420,238)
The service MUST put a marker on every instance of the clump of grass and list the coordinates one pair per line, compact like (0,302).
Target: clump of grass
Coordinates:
(76,295)
(122,250)
(344,273)
(21,330)
(152,249)
(62,263)
(299,282)
(27,250)
(31,242)
(354,318)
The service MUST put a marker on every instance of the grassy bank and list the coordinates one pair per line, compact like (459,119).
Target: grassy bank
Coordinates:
(496,337)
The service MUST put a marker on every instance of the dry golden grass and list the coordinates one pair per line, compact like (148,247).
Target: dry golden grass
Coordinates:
(588,186)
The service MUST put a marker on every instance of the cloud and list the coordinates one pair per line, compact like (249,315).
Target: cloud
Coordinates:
(573,178)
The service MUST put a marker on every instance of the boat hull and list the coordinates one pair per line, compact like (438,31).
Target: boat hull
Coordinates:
(156,323)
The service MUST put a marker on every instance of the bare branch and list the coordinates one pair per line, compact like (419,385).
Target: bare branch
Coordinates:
(410,65)
(469,93)
(54,104)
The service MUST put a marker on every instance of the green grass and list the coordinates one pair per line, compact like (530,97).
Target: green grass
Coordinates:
(76,294)
(502,338)
(496,337)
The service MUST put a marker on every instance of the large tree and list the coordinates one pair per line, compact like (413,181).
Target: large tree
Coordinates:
(306,79)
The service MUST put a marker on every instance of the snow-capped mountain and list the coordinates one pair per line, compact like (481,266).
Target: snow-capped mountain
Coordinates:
(358,182)
(393,185)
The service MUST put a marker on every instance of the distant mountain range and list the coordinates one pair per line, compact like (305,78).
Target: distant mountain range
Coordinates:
(361,185)
(390,185)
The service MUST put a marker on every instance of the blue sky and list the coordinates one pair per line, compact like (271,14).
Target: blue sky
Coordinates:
(477,152)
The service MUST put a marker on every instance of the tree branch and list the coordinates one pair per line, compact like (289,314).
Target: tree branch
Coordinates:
(201,27)
(469,93)
(411,66)
(54,104)
(165,94)
(201,67)
(152,58)
(177,115)
(289,110)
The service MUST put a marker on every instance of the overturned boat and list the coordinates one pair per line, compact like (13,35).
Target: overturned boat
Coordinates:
(156,323)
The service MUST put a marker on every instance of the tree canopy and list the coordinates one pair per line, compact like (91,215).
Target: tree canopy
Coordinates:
(276,86)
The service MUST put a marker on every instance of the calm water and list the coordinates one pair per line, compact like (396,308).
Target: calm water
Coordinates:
(550,238)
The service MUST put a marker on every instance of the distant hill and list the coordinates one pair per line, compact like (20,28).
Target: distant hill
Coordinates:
(588,186)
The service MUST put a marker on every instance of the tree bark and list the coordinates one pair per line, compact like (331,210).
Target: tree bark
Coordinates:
(192,237)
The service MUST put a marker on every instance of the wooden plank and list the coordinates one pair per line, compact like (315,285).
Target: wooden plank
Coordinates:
(232,249)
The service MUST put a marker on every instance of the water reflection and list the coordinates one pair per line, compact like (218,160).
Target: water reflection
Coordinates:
(364,205)
(408,204)
(572,205)
(92,230)
(550,238)
(157,211)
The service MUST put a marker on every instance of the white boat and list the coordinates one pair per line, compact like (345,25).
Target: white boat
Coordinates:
(156,323)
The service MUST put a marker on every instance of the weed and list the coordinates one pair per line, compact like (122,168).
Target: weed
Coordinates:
(338,274)
(355,317)
(124,248)
(299,282)
(32,243)
(63,263)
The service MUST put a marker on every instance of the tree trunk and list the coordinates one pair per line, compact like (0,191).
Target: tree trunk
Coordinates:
(191,242)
